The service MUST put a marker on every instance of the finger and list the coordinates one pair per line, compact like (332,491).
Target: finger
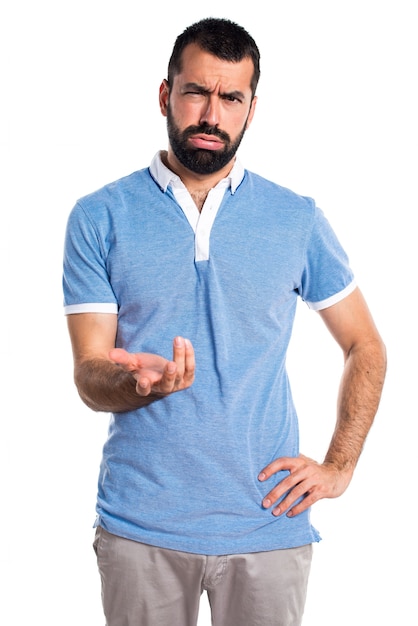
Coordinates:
(143,386)
(179,355)
(292,500)
(189,364)
(167,381)
(183,356)
(276,494)
(282,463)
(304,504)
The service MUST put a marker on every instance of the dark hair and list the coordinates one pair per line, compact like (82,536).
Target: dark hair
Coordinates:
(220,37)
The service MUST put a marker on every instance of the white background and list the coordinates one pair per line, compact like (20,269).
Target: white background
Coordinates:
(336,120)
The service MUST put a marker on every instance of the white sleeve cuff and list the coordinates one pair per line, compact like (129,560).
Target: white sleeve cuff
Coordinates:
(91,307)
(337,297)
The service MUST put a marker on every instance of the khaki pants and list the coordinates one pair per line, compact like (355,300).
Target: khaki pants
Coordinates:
(147,586)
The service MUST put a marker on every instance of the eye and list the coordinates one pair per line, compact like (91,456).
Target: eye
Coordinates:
(231,98)
(193,93)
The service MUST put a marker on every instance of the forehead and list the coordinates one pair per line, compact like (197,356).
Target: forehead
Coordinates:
(203,68)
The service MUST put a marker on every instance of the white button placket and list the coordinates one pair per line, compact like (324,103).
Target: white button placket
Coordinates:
(202,222)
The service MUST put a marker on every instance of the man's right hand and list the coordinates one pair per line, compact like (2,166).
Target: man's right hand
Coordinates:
(156,375)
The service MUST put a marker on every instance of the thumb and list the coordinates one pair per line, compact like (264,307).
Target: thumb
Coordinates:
(122,357)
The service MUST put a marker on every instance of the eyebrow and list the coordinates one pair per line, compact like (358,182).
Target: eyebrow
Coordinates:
(204,91)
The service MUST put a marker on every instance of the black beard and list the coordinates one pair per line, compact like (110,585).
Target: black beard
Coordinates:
(199,160)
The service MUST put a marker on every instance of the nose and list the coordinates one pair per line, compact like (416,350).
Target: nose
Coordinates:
(211,111)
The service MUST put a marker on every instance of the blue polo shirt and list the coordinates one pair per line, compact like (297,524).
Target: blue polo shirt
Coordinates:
(182,472)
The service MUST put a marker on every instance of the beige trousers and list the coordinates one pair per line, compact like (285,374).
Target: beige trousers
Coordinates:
(147,586)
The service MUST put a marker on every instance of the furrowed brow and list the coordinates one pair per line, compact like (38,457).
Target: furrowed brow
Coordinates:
(205,91)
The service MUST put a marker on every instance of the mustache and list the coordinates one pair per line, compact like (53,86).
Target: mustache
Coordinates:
(205,129)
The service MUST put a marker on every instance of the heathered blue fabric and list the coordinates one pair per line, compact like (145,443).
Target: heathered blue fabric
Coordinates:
(182,472)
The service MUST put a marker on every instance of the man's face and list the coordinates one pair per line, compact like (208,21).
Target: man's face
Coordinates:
(208,109)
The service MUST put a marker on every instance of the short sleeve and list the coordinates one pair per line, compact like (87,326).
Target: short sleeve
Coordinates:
(327,277)
(86,284)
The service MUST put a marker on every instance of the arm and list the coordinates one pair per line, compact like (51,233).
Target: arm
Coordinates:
(111,379)
(352,326)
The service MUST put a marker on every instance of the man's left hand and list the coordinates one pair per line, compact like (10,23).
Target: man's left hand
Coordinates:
(307,479)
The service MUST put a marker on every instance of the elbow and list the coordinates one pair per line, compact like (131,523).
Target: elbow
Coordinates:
(84,384)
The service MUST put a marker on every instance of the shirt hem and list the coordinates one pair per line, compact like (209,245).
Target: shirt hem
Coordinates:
(216,549)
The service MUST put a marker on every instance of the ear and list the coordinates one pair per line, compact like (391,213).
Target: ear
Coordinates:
(251,113)
(163,97)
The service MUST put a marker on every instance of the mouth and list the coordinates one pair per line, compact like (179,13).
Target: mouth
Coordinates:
(206,142)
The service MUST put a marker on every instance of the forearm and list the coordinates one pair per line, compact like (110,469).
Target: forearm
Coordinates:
(104,386)
(358,401)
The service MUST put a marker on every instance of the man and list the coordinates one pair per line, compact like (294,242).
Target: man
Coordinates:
(202,485)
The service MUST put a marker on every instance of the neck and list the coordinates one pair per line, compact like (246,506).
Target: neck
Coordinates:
(199,198)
